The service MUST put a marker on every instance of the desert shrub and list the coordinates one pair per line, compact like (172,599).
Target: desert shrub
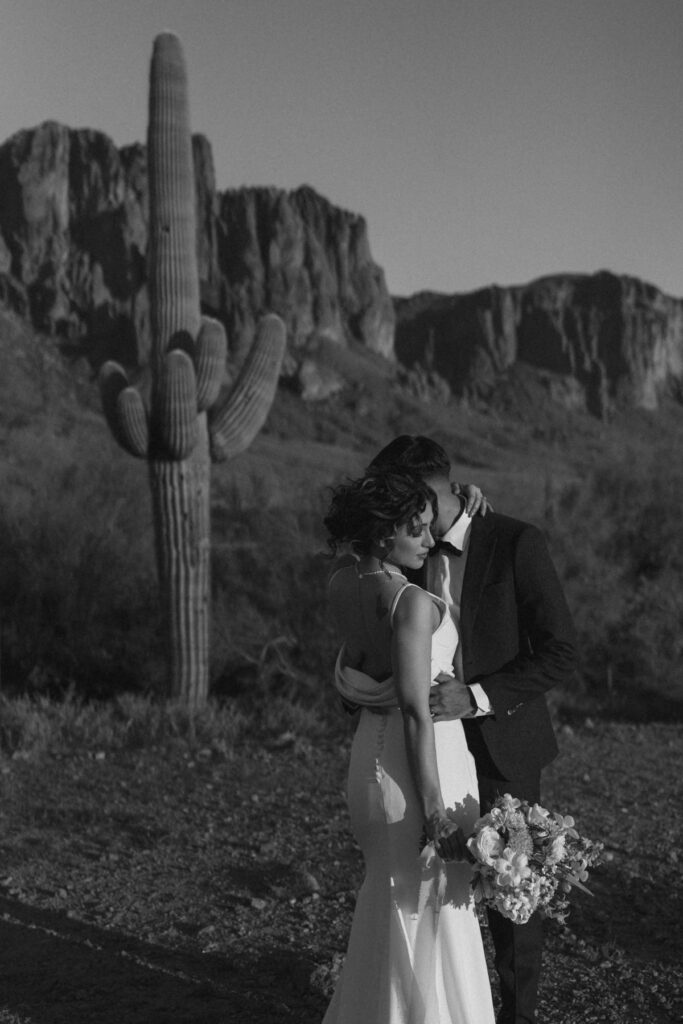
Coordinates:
(32,726)
(270,629)
(78,602)
(619,545)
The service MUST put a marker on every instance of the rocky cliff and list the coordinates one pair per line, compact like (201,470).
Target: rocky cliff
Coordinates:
(596,341)
(73,240)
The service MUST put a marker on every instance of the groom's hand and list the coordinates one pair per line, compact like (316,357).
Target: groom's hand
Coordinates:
(475,501)
(450,699)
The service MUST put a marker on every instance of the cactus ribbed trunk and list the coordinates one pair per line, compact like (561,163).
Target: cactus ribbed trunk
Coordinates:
(172,258)
(180,486)
(180,500)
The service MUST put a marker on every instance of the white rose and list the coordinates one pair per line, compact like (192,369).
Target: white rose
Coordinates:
(486,846)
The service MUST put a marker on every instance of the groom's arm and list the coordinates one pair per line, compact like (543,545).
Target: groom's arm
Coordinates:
(548,643)
(454,699)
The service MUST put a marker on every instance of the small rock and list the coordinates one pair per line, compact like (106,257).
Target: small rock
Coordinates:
(311,883)
(258,904)
(284,740)
(268,850)
(100,755)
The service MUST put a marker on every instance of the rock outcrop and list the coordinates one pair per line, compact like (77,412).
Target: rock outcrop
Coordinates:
(73,241)
(599,341)
(73,245)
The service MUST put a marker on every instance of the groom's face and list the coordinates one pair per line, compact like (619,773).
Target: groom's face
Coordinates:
(449,503)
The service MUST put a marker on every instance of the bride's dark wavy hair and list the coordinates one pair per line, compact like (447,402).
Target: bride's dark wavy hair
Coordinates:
(369,510)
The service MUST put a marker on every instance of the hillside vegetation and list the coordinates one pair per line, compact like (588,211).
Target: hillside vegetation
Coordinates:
(77,586)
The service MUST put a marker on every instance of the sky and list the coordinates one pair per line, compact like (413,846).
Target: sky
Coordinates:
(484,141)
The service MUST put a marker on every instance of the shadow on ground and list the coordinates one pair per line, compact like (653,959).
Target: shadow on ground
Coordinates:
(56,970)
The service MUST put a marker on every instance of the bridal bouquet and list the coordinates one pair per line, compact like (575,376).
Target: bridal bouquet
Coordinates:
(527,858)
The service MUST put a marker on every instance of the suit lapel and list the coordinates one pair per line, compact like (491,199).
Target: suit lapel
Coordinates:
(479,555)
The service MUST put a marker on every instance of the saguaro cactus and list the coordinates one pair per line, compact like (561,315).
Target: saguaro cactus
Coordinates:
(187,422)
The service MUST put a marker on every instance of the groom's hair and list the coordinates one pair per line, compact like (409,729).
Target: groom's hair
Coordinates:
(412,453)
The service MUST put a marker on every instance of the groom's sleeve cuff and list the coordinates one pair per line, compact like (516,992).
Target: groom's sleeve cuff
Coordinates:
(481,700)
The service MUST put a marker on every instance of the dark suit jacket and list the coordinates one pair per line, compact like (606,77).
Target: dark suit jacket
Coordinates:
(517,640)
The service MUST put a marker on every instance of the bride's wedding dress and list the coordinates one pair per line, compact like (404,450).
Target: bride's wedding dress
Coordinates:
(415,953)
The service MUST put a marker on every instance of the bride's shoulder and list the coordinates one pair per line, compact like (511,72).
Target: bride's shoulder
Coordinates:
(413,606)
(339,571)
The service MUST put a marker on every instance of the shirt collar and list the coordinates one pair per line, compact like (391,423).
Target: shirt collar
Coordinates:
(458,532)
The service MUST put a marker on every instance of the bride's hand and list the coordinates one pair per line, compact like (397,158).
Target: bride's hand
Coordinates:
(448,838)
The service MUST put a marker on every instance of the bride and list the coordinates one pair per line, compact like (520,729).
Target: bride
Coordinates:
(415,953)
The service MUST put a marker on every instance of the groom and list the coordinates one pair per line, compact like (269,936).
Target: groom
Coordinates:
(517,641)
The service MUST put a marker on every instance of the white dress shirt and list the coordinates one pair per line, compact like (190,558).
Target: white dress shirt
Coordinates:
(445,572)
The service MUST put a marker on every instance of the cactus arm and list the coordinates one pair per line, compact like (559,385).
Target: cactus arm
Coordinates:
(124,410)
(210,355)
(134,422)
(175,411)
(234,422)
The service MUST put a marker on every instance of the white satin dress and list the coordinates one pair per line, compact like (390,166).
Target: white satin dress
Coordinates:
(415,953)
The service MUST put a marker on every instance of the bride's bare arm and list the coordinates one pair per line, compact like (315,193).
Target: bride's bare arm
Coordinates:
(411,662)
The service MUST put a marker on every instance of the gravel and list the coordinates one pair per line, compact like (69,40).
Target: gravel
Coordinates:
(178,884)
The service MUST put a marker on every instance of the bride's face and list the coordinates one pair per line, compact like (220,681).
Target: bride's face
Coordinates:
(412,541)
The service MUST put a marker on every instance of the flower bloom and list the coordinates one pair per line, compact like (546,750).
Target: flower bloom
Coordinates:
(556,851)
(486,845)
(512,868)
(538,815)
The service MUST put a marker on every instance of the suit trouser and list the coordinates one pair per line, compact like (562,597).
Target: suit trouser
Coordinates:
(518,947)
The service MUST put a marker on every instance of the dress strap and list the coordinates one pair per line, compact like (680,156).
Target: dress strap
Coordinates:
(341,568)
(397,595)
(439,601)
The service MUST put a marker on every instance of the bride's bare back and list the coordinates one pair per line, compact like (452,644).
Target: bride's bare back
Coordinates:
(361,609)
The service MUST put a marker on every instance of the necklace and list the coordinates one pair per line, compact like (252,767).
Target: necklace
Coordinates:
(379,572)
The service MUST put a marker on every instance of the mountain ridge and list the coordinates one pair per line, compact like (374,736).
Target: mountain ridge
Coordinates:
(597,342)
(73,239)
